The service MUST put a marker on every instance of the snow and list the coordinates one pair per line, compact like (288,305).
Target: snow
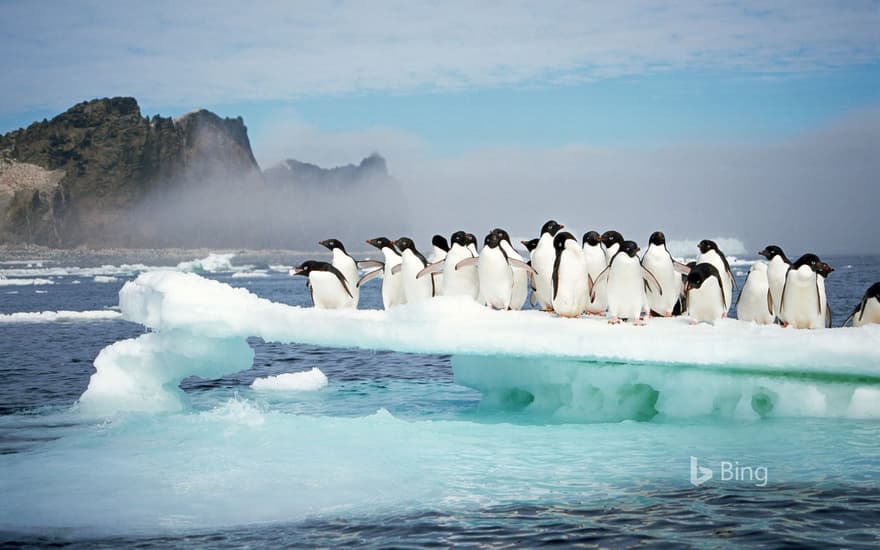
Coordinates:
(58,316)
(200,328)
(212,263)
(292,381)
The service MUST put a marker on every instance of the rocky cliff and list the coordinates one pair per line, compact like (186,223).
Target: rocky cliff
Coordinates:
(75,179)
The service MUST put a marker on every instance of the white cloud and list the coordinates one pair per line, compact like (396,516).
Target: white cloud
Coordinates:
(212,52)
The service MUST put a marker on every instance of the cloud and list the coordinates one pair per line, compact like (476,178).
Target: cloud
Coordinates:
(197,53)
(812,192)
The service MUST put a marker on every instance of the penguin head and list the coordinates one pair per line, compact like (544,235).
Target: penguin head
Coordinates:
(380,243)
(699,274)
(657,238)
(492,240)
(459,238)
(810,260)
(873,291)
(405,243)
(308,266)
(610,238)
(771,251)
(560,239)
(706,245)
(471,239)
(332,244)
(551,227)
(530,244)
(440,242)
(629,248)
(502,234)
(824,269)
(591,238)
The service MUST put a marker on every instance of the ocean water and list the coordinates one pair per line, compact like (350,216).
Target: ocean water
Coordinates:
(392,452)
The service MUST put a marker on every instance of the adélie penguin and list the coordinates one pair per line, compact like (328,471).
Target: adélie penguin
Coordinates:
(868,310)
(347,265)
(495,269)
(704,290)
(594,255)
(438,254)
(569,279)
(755,302)
(328,285)
(823,272)
(711,254)
(543,257)
(660,262)
(392,283)
(803,296)
(530,245)
(412,262)
(626,278)
(777,268)
(456,282)
(520,290)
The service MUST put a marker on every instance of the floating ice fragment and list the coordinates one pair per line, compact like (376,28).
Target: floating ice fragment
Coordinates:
(292,381)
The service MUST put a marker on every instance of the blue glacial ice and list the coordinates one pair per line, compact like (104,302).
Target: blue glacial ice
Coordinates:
(562,369)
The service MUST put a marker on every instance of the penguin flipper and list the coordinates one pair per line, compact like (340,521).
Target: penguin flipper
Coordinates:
(829,317)
(852,315)
(431,268)
(466,262)
(769,301)
(599,278)
(650,278)
(370,276)
(396,269)
(723,299)
(369,263)
(681,268)
(533,298)
(341,279)
(520,264)
(818,297)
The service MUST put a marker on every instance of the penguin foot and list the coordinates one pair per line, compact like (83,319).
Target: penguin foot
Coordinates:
(639,322)
(614,321)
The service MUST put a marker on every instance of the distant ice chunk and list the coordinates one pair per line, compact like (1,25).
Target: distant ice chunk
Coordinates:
(256,274)
(25,282)
(212,263)
(59,316)
(105,279)
(311,380)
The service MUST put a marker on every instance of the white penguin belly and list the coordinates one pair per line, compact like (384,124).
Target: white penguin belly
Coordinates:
(626,290)
(348,267)
(392,283)
(328,293)
(496,278)
(520,290)
(415,289)
(801,308)
(543,258)
(704,303)
(594,257)
(715,260)
(870,315)
(776,271)
(462,282)
(659,263)
(753,306)
(571,288)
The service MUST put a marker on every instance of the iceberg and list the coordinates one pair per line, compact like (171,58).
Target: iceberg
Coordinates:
(564,369)
(212,263)
(59,316)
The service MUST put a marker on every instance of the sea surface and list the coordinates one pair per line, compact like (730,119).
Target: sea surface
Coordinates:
(392,452)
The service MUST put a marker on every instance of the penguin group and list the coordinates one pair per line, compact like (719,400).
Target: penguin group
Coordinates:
(600,275)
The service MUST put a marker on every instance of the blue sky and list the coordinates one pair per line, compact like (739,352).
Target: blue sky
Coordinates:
(444,90)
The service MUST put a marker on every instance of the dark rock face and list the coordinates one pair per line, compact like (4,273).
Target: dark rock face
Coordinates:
(73,180)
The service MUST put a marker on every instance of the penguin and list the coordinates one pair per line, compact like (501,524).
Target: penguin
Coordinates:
(520,290)
(711,254)
(868,310)
(495,273)
(542,258)
(755,302)
(823,272)
(777,268)
(626,278)
(328,285)
(392,283)
(594,255)
(569,279)
(530,245)
(611,240)
(412,262)
(803,296)
(660,262)
(456,282)
(438,254)
(347,265)
(704,289)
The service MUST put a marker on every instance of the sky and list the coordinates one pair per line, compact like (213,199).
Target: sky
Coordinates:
(752,120)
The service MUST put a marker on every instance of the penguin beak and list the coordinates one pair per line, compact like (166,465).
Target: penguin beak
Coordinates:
(296,271)
(324,243)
